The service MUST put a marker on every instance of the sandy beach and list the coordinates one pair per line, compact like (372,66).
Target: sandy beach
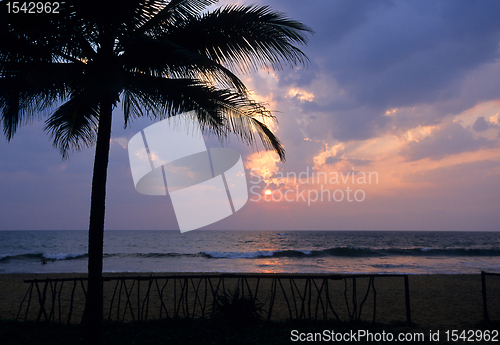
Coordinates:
(438,302)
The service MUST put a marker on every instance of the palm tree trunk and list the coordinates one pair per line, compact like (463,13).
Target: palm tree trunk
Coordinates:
(93,318)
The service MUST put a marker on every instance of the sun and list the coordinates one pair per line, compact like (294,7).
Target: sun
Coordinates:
(268,192)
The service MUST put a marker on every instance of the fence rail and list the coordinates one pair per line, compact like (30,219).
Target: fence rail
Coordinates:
(486,316)
(285,296)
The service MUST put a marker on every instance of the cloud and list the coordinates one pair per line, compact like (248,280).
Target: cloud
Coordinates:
(481,124)
(450,140)
(382,73)
(338,157)
(415,52)
(439,56)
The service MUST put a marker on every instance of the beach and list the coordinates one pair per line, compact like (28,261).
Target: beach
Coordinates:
(304,276)
(438,302)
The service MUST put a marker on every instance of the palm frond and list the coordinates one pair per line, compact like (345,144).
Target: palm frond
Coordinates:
(11,114)
(173,13)
(33,88)
(164,58)
(47,35)
(268,138)
(18,102)
(17,107)
(219,111)
(74,124)
(164,97)
(244,38)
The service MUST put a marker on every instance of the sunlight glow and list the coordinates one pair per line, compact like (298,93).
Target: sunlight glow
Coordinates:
(419,133)
(302,95)
(263,164)
(391,112)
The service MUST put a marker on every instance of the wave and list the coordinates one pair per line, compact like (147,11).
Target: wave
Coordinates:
(396,266)
(39,256)
(353,252)
(66,256)
(444,252)
(330,252)
(71,256)
(156,255)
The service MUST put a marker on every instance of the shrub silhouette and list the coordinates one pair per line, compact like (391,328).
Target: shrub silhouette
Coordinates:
(237,308)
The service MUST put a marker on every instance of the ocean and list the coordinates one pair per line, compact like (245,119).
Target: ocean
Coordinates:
(408,252)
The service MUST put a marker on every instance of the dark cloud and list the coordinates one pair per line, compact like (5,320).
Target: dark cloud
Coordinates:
(450,140)
(481,124)
(332,160)
(415,51)
(330,20)
(345,125)
(398,53)
(354,162)
(392,54)
(360,162)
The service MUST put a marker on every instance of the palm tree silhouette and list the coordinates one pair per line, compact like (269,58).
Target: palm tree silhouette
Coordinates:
(157,58)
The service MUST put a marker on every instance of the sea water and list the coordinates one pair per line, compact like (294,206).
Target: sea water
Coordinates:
(409,252)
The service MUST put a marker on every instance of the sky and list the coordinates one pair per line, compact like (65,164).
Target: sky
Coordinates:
(393,125)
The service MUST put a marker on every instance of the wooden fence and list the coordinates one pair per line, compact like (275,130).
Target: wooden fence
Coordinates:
(486,315)
(282,296)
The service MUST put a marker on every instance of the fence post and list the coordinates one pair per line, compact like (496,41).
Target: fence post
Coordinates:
(485,303)
(407,300)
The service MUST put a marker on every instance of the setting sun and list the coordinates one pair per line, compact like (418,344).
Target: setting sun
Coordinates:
(268,192)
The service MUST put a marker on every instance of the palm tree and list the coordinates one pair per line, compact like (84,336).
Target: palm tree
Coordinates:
(157,58)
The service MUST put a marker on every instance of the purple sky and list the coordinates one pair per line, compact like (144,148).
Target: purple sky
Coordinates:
(406,90)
